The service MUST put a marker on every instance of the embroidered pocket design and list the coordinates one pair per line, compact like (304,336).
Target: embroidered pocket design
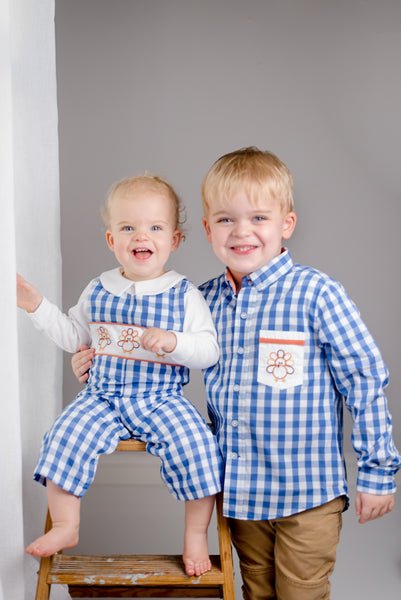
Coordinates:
(281,358)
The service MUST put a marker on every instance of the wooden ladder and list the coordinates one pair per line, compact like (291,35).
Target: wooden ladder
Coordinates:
(138,576)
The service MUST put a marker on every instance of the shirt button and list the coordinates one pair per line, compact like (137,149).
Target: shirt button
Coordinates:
(244,315)
(240,350)
(234,423)
(236,388)
(234,455)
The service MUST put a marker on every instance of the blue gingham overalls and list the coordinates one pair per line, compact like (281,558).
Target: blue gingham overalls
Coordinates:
(132,398)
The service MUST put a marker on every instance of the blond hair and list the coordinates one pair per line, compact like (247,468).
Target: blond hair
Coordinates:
(132,185)
(255,171)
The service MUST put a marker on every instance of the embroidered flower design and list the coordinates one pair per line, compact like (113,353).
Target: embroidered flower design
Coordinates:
(104,337)
(280,365)
(129,339)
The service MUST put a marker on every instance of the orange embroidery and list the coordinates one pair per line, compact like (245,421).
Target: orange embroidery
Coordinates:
(129,339)
(104,337)
(280,364)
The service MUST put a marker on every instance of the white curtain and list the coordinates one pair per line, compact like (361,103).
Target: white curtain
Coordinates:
(30,243)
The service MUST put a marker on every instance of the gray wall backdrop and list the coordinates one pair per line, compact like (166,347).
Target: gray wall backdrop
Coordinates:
(169,85)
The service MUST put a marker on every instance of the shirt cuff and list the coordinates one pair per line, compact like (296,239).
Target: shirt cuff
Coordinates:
(43,313)
(376,481)
(183,349)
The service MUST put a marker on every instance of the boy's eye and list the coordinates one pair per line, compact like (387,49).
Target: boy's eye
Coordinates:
(224,220)
(156,228)
(128,228)
(260,218)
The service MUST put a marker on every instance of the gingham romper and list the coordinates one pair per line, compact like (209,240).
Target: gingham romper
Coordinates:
(133,398)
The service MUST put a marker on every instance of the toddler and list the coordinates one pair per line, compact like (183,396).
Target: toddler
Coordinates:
(148,326)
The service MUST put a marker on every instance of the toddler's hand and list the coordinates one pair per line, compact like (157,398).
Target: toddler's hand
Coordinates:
(28,297)
(370,506)
(155,339)
(81,362)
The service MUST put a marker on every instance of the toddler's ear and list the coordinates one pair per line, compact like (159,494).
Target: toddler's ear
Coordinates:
(177,237)
(110,240)
(289,223)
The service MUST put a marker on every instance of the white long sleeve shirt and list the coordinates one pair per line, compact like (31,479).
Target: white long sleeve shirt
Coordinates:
(197,346)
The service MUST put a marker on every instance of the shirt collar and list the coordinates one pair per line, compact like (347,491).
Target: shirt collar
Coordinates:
(116,284)
(266,275)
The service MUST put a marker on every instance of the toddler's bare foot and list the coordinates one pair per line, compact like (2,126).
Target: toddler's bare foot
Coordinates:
(196,553)
(58,538)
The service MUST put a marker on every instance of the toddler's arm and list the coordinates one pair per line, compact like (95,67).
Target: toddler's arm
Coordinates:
(155,339)
(370,506)
(197,346)
(28,297)
(70,331)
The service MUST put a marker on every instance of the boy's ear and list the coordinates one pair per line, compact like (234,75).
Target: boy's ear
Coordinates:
(110,240)
(289,223)
(207,228)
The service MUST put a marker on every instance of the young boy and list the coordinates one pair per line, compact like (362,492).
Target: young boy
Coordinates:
(148,326)
(293,348)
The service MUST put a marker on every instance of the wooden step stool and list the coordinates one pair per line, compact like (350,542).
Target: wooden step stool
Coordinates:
(138,576)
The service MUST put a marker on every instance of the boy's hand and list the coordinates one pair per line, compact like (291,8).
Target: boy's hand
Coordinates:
(370,506)
(155,339)
(81,362)
(28,297)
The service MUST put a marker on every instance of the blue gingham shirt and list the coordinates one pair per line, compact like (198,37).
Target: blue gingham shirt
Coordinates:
(294,350)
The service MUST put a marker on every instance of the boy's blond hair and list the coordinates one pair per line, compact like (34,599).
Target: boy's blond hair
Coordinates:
(255,171)
(131,185)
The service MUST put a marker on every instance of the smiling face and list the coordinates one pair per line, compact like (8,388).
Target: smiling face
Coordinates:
(142,231)
(245,234)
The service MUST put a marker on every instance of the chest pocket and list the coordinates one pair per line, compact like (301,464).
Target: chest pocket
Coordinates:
(281,358)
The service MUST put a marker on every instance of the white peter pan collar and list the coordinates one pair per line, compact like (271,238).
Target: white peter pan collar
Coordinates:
(114,282)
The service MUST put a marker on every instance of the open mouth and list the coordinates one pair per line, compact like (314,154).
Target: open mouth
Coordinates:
(142,253)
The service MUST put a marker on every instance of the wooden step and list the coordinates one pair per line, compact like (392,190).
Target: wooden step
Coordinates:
(125,570)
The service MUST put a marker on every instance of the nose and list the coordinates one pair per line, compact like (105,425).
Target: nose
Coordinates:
(241,228)
(141,234)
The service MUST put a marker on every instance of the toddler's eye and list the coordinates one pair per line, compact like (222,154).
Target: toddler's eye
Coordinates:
(224,220)
(128,228)
(260,218)
(156,228)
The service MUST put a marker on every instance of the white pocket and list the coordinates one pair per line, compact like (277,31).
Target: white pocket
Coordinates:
(281,358)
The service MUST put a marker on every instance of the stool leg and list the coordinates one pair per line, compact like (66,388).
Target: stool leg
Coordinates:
(225,550)
(43,588)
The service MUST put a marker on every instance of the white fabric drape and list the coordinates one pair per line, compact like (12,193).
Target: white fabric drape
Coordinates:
(11,540)
(30,243)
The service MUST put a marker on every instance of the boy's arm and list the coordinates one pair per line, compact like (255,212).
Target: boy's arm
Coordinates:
(370,506)
(81,362)
(361,377)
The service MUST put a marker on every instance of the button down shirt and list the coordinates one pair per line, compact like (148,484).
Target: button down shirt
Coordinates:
(294,350)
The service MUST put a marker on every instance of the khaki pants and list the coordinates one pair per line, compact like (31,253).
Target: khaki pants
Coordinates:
(289,558)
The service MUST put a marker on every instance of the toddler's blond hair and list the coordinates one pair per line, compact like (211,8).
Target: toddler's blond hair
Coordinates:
(132,185)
